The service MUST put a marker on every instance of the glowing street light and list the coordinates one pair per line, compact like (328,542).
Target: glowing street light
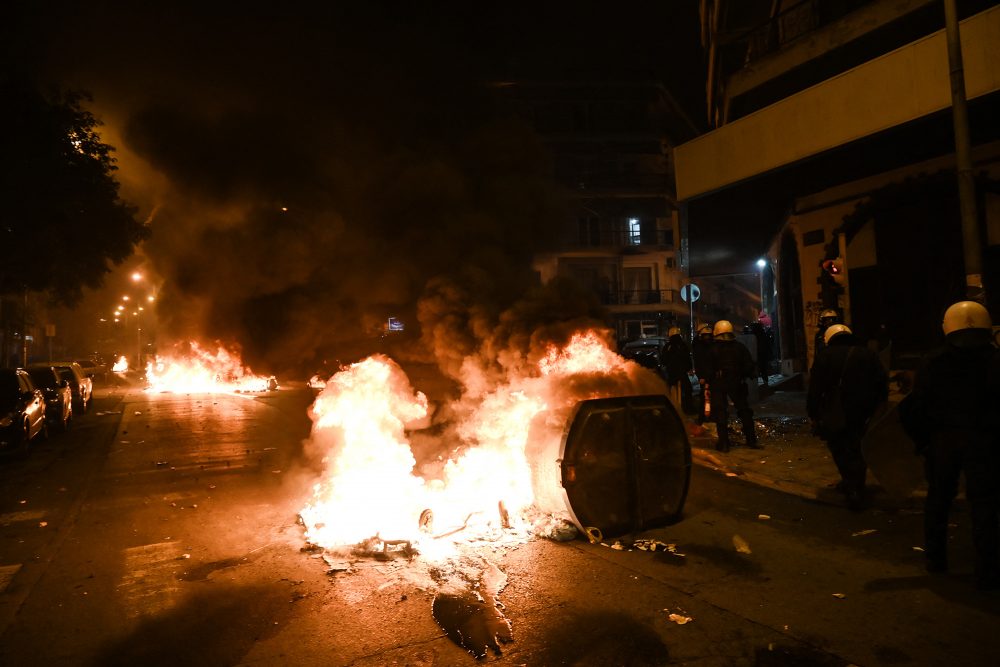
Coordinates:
(761,263)
(136,276)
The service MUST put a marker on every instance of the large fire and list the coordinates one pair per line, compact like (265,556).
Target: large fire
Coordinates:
(121,365)
(485,487)
(201,370)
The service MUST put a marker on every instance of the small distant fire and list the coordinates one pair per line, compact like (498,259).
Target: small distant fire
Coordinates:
(202,370)
(121,365)
(486,487)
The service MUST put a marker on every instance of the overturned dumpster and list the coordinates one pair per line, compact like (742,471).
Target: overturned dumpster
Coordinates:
(623,465)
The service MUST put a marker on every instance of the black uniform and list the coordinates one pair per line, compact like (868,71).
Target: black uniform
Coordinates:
(765,352)
(730,366)
(855,374)
(675,359)
(953,414)
(701,350)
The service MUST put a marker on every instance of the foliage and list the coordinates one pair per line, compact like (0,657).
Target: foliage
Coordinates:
(62,223)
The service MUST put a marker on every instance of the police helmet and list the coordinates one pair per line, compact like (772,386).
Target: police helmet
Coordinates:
(723,329)
(835,330)
(673,331)
(966,315)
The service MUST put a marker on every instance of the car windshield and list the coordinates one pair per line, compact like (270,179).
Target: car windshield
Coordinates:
(66,373)
(43,377)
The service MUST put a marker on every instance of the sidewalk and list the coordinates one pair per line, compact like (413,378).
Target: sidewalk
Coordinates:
(792,460)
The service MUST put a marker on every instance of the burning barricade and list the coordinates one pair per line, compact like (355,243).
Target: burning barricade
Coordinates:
(195,369)
(580,440)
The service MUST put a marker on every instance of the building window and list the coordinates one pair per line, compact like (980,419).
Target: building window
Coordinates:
(634,231)
(815,237)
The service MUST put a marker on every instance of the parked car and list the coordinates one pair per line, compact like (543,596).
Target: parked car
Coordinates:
(93,368)
(22,408)
(58,395)
(645,351)
(80,384)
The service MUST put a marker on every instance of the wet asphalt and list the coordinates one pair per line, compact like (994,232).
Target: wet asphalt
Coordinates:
(170,536)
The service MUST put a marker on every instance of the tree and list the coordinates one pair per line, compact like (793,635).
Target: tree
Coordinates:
(62,223)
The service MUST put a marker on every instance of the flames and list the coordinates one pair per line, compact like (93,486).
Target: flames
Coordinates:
(200,370)
(485,481)
(121,365)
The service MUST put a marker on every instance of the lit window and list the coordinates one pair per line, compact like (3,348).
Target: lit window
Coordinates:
(633,231)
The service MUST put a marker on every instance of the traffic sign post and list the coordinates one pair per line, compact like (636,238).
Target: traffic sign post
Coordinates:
(691,293)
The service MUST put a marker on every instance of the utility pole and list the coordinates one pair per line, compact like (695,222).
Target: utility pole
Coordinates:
(973,253)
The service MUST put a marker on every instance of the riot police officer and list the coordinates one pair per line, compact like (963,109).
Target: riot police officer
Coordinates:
(701,348)
(675,363)
(730,366)
(827,319)
(846,386)
(953,416)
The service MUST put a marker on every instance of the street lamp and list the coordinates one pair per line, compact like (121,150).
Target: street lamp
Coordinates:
(761,264)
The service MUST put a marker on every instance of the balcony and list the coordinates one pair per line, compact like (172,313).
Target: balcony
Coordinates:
(628,241)
(638,297)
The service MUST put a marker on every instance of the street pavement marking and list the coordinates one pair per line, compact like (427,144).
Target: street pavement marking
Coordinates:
(149,585)
(17,517)
(7,573)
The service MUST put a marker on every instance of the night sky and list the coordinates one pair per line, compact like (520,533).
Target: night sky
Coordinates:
(307,173)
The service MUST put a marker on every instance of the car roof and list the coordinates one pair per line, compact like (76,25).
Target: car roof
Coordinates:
(649,340)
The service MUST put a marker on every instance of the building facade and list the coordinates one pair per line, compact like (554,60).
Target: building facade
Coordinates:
(611,149)
(834,151)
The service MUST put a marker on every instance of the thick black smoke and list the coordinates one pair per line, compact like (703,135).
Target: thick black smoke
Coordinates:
(312,174)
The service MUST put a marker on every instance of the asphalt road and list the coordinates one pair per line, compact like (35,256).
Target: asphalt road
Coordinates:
(162,530)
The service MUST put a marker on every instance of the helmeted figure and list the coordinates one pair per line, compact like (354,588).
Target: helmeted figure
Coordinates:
(953,415)
(852,375)
(675,360)
(827,319)
(730,365)
(701,348)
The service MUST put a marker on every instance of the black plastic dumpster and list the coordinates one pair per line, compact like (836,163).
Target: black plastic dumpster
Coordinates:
(625,464)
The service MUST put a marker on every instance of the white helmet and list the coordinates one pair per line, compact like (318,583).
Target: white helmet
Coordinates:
(966,315)
(723,328)
(835,330)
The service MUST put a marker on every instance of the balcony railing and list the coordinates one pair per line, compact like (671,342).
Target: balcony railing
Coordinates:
(639,297)
(795,21)
(595,238)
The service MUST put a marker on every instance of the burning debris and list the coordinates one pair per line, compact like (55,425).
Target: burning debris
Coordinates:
(120,366)
(486,477)
(199,370)
(494,483)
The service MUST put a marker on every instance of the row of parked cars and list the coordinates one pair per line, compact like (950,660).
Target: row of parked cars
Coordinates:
(40,396)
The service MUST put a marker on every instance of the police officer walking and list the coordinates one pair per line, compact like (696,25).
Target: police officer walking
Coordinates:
(730,365)
(846,386)
(953,415)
